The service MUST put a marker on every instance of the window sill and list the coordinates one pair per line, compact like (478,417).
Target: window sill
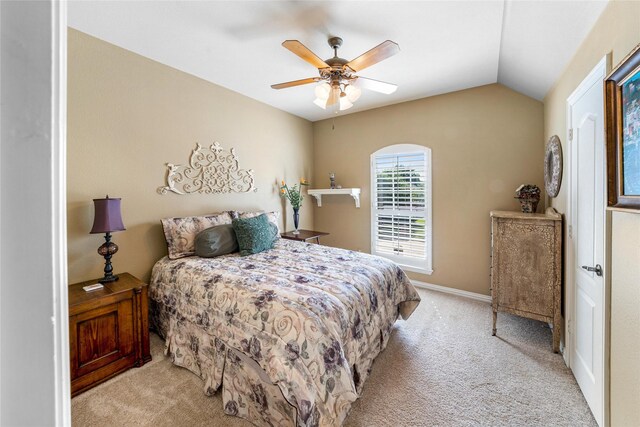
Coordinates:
(427,271)
(407,267)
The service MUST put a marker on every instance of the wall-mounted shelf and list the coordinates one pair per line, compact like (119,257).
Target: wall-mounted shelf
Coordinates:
(319,192)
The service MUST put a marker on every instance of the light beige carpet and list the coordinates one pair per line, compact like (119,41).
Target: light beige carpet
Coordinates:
(442,367)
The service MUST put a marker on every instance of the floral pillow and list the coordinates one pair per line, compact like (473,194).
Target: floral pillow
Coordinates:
(180,233)
(273,217)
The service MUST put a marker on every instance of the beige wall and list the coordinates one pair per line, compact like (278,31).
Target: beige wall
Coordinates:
(485,142)
(128,116)
(617,31)
(625,320)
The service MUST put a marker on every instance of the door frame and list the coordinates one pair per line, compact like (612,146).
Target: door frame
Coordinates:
(598,73)
(59,31)
(36,126)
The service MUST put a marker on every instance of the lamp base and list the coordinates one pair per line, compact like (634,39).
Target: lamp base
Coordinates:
(109,279)
(107,249)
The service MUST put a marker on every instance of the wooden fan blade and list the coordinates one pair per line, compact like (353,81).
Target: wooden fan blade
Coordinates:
(381,52)
(376,85)
(296,83)
(303,52)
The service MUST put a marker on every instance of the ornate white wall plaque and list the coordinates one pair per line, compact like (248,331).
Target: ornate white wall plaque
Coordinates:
(210,170)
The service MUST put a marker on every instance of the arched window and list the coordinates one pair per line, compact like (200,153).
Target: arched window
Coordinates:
(401,206)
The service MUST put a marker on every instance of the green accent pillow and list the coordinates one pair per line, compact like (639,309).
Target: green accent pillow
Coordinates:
(215,241)
(255,234)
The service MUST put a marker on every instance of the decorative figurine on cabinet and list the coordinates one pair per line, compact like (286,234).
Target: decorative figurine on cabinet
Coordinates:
(332,178)
(529,196)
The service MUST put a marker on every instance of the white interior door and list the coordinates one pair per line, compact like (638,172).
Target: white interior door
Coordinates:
(588,183)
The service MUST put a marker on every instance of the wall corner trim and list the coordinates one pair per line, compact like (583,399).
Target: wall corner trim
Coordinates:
(452,291)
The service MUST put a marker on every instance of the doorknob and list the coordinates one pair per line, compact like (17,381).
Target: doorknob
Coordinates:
(597,269)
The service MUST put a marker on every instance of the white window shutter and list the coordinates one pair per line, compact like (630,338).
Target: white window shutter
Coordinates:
(401,205)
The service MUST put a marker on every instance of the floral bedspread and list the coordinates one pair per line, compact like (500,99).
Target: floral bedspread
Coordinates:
(313,317)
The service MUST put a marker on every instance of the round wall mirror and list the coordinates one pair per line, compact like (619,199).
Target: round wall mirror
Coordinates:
(553,166)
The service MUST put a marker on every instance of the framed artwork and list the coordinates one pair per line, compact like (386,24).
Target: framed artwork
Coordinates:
(622,118)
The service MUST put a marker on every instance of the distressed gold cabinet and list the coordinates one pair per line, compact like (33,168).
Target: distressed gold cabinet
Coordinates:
(526,266)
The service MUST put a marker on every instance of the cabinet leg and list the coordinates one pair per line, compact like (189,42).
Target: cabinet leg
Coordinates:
(556,337)
(495,319)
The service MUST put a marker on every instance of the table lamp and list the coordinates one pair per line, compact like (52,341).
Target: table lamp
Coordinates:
(107,220)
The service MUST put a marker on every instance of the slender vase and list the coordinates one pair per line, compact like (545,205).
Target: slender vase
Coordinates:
(296,219)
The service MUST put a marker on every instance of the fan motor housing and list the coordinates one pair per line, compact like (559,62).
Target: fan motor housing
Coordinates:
(336,62)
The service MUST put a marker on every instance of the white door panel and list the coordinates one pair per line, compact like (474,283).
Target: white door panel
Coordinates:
(585,196)
(587,218)
(585,308)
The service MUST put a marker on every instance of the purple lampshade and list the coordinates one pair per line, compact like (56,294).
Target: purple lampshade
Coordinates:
(108,217)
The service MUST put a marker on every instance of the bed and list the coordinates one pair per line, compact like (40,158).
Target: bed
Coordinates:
(289,334)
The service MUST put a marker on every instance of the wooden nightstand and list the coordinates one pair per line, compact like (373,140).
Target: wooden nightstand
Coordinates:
(304,235)
(108,330)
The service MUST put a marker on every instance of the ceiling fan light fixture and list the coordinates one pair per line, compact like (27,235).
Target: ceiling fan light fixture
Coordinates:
(352,92)
(322,103)
(323,90)
(334,96)
(345,104)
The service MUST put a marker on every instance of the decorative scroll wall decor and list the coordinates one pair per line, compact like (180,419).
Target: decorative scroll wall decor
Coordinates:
(210,170)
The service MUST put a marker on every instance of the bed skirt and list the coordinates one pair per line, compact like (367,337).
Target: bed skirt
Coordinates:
(247,391)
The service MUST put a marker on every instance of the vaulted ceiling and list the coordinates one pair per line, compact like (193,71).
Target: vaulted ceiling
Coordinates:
(445,45)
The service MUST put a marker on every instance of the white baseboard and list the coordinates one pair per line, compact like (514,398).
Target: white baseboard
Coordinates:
(452,291)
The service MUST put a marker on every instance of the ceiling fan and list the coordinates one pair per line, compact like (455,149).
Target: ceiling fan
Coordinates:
(340,86)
